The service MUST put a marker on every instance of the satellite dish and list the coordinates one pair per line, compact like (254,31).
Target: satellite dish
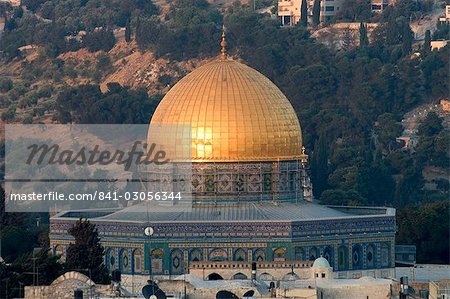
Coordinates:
(250,293)
(149,231)
(226,295)
(152,291)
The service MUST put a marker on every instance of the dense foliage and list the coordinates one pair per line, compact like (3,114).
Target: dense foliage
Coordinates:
(86,253)
(54,24)
(22,240)
(86,104)
(191,30)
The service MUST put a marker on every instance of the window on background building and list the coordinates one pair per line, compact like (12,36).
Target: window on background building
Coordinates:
(329,8)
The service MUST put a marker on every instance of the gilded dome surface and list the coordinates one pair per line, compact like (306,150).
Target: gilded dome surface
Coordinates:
(234,114)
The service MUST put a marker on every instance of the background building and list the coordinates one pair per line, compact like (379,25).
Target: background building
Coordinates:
(289,11)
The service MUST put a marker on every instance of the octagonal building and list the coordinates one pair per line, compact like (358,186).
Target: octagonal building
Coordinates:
(251,194)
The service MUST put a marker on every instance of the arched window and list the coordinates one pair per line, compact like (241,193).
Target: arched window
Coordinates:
(259,255)
(328,255)
(266,276)
(137,261)
(239,255)
(384,255)
(176,262)
(157,261)
(313,253)
(279,255)
(218,254)
(357,258)
(125,262)
(214,276)
(342,258)
(195,255)
(267,182)
(299,254)
(111,259)
(370,256)
(239,275)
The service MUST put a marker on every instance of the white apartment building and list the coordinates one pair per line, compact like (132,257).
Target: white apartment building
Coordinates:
(289,11)
(446,17)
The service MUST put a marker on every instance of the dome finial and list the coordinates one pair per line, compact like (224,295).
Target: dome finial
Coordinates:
(223,44)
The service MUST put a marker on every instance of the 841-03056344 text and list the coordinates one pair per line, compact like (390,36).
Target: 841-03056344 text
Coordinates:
(97,195)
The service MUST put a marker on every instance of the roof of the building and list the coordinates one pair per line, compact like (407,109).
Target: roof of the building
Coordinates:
(224,213)
(233,114)
(363,281)
(321,263)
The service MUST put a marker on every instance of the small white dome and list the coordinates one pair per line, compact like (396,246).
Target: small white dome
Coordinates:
(321,262)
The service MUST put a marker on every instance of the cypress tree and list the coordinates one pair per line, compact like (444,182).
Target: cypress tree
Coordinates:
(304,14)
(319,166)
(407,39)
(128,31)
(427,44)
(363,39)
(316,12)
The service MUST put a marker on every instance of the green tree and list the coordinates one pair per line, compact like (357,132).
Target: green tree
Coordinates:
(102,39)
(6,84)
(427,44)
(407,39)
(128,31)
(414,228)
(316,12)
(387,129)
(304,14)
(319,166)
(363,39)
(87,252)
(430,126)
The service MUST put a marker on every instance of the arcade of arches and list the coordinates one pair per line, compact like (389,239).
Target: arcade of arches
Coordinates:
(341,258)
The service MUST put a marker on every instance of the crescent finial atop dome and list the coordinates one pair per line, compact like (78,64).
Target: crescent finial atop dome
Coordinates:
(223,44)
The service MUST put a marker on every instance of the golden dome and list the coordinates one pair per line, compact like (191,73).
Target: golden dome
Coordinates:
(234,114)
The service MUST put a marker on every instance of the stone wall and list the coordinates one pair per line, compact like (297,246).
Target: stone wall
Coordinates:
(364,288)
